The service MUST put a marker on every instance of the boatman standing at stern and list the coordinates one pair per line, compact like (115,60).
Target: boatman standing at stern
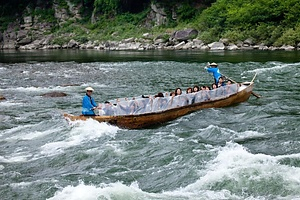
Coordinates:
(213,68)
(88,103)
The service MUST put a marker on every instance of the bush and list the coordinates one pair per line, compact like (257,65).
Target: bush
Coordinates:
(234,35)
(208,36)
(60,40)
(289,37)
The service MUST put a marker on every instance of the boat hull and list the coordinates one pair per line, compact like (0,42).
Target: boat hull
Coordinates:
(151,119)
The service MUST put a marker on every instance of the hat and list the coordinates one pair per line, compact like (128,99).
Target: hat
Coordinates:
(213,64)
(89,89)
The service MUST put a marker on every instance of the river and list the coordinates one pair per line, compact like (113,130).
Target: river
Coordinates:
(247,151)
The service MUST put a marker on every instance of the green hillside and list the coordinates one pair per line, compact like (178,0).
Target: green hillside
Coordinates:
(271,22)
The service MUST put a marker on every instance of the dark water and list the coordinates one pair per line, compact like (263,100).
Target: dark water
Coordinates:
(247,151)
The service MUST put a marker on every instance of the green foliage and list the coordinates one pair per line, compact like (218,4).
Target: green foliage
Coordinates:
(208,36)
(266,33)
(263,20)
(60,40)
(107,6)
(44,14)
(289,37)
(186,12)
(4,21)
(234,35)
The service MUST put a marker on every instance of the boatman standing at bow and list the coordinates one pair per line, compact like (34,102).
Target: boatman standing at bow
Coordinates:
(88,103)
(213,68)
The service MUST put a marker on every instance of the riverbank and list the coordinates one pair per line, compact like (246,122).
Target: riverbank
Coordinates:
(142,44)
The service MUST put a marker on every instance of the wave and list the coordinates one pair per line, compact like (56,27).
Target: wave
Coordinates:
(81,132)
(274,67)
(239,172)
(234,173)
(119,191)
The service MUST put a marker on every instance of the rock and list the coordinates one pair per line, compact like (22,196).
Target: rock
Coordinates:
(128,40)
(184,35)
(239,43)
(248,42)
(272,48)
(160,39)
(147,36)
(22,34)
(28,20)
(2,98)
(263,47)
(24,41)
(198,42)
(225,41)
(188,45)
(12,35)
(204,47)
(158,14)
(216,46)
(54,94)
(232,47)
(68,85)
(287,47)
(10,44)
(46,40)
(180,45)
(72,44)
(247,47)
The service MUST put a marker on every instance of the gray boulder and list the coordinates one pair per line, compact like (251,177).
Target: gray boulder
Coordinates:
(2,98)
(54,94)
(184,35)
(216,46)
(24,41)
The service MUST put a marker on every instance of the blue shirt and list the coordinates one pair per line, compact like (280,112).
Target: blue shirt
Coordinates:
(216,73)
(88,103)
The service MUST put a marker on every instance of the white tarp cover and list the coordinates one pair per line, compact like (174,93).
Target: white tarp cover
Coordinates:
(139,105)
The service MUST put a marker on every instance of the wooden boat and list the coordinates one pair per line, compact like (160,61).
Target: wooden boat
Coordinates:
(137,121)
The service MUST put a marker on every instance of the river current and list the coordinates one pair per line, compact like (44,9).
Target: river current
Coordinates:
(247,151)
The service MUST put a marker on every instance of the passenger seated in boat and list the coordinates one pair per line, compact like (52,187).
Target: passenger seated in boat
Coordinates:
(142,106)
(133,105)
(179,99)
(231,88)
(88,103)
(178,91)
(214,86)
(206,93)
(203,87)
(196,88)
(164,104)
(159,102)
(189,90)
(170,102)
(213,92)
(126,107)
(159,95)
(221,82)
(108,109)
(190,95)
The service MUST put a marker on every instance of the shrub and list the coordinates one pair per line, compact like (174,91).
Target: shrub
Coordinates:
(289,37)
(60,40)
(234,35)
(208,36)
